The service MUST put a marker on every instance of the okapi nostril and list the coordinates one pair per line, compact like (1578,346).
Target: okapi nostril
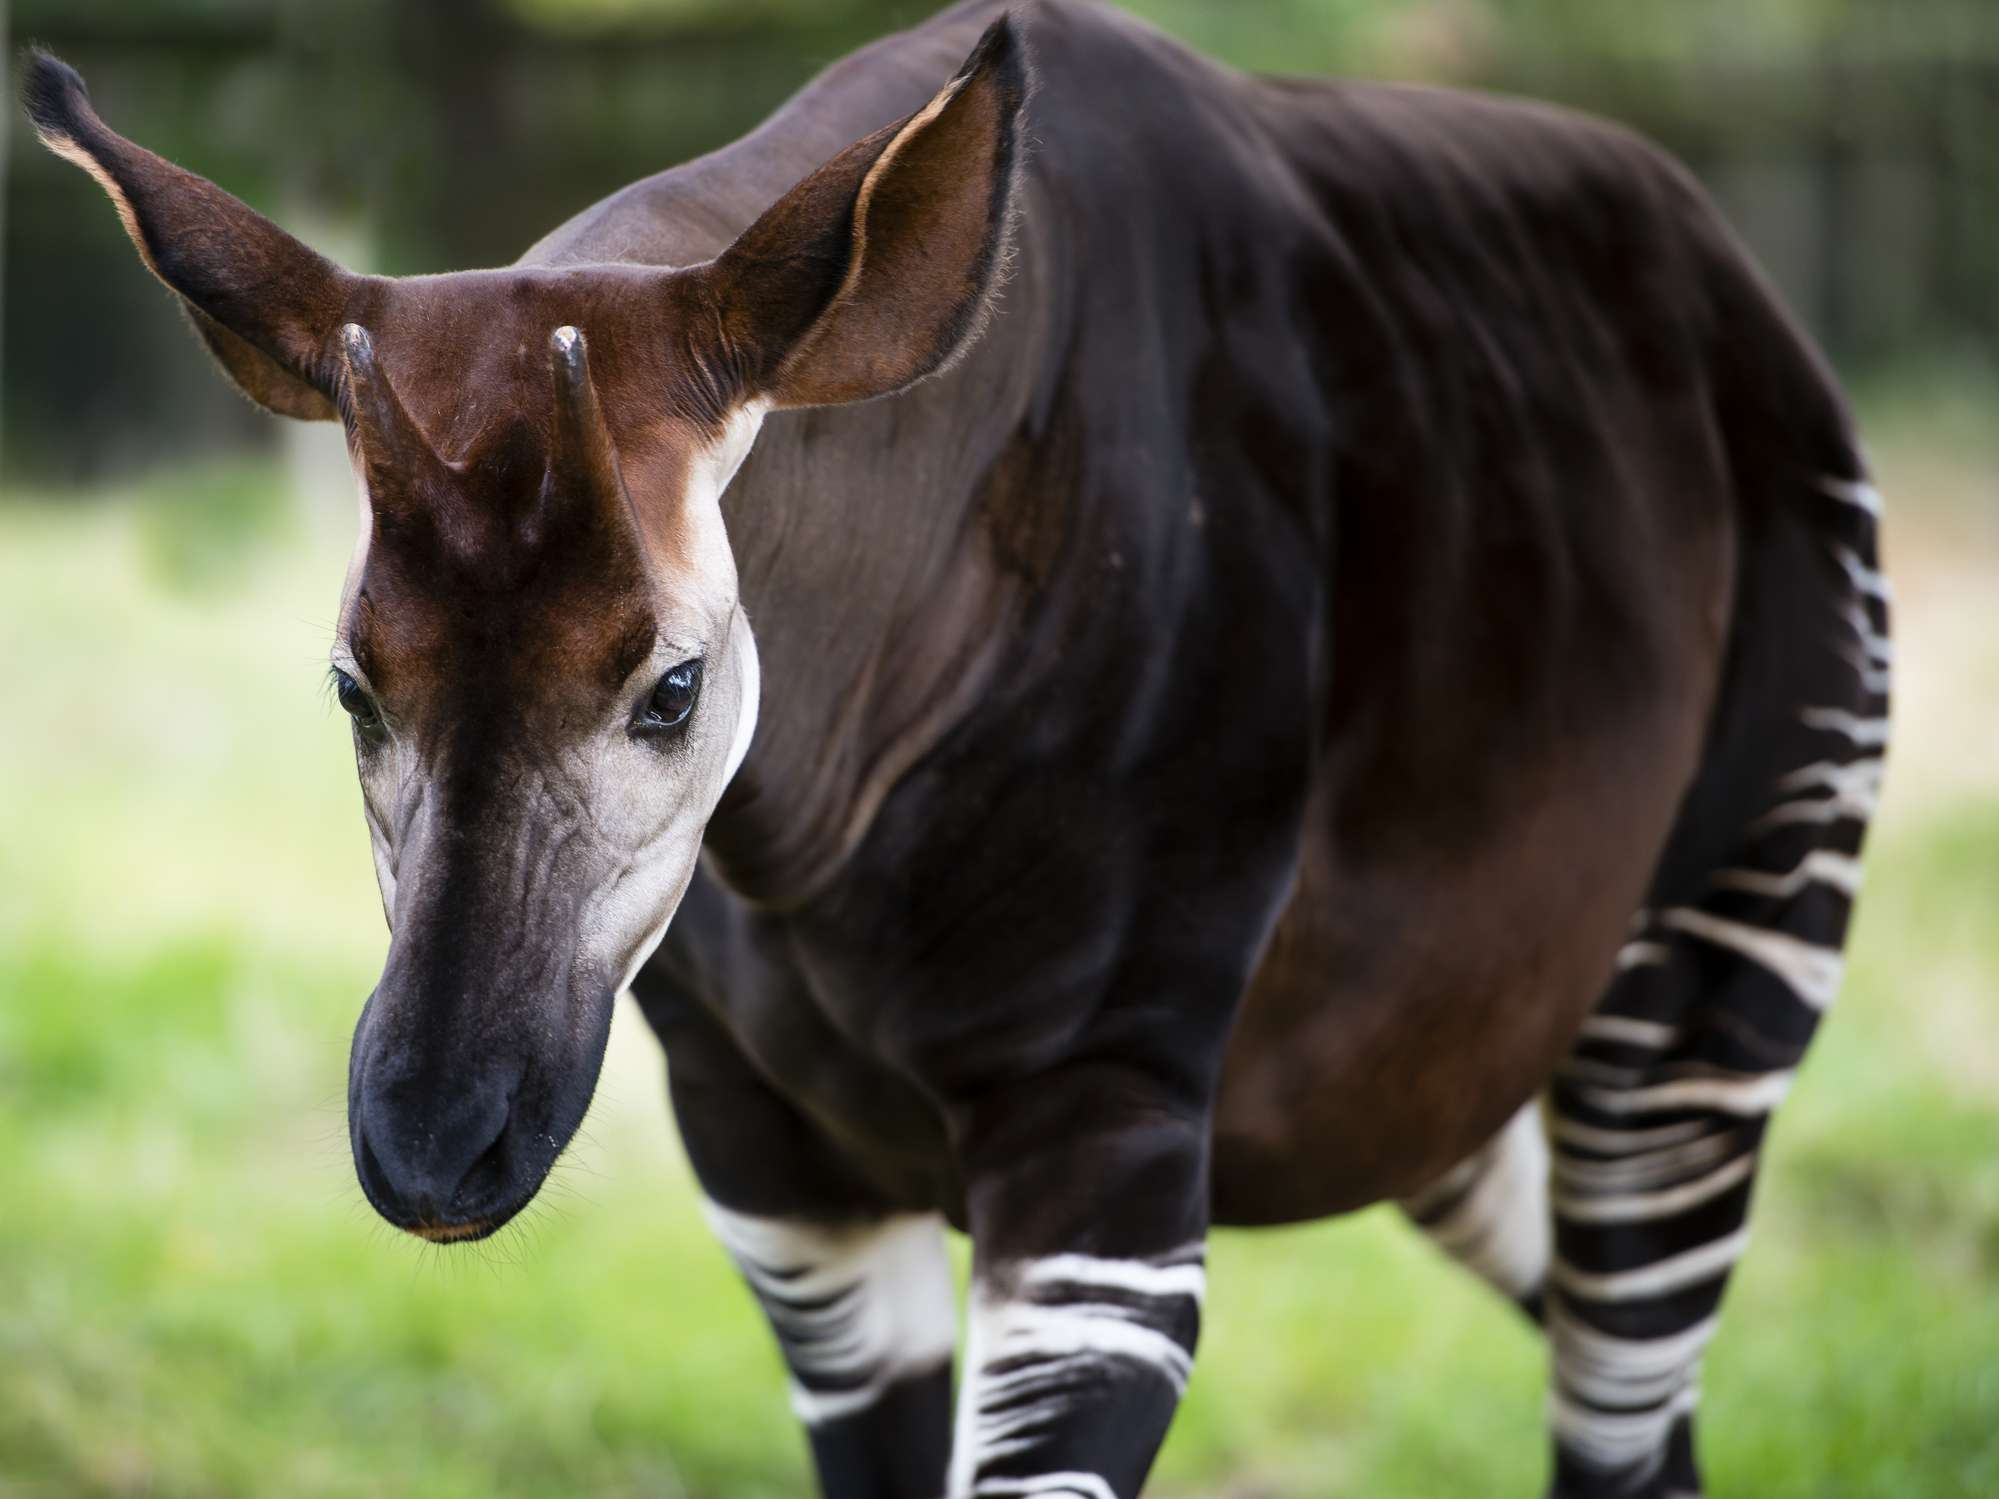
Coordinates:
(484,1174)
(374,1180)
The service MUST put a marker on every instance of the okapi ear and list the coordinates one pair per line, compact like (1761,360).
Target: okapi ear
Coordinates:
(880,268)
(263,302)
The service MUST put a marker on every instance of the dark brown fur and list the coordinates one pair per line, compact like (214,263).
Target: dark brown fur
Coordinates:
(1216,737)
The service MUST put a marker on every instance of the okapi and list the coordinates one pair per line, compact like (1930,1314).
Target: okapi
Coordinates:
(1356,637)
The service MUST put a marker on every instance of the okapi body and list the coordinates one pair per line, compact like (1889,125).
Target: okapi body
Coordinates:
(1348,666)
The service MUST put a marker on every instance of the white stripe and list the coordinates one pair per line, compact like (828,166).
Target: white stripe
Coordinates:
(1857,492)
(1048,1486)
(1858,779)
(1500,1230)
(1051,1345)
(1135,1277)
(1613,1371)
(1458,1179)
(1621,1141)
(1660,1278)
(1642,1207)
(1645,1170)
(1628,1030)
(1574,1069)
(1811,809)
(1624,1371)
(1641,955)
(1878,680)
(1820,866)
(1855,788)
(1093,1330)
(1867,580)
(1744,1094)
(1615,1440)
(1878,649)
(892,1308)
(1865,733)
(1812,972)
(1874,657)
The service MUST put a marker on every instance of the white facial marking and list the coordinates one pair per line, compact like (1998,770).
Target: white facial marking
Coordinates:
(751,694)
(647,808)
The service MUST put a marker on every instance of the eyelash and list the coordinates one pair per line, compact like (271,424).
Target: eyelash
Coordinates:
(354,701)
(666,709)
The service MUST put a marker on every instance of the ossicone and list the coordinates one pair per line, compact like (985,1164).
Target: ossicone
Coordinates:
(581,453)
(393,449)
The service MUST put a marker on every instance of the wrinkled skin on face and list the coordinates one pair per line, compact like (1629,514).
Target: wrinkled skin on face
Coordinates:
(535,817)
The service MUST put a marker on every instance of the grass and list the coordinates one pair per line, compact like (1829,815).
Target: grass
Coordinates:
(193,1300)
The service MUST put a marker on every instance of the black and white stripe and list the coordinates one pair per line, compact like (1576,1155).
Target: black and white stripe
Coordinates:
(856,1308)
(1658,1117)
(1063,1336)
(1490,1212)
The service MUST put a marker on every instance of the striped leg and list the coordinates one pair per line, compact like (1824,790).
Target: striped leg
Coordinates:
(1490,1212)
(866,1317)
(1074,1364)
(1660,1114)
(1088,1205)
(1649,1220)
(855,1283)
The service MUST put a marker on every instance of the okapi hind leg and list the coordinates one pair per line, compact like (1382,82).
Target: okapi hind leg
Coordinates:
(1659,1115)
(1490,1212)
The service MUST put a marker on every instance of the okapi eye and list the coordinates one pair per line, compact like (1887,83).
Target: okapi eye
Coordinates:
(352,697)
(671,701)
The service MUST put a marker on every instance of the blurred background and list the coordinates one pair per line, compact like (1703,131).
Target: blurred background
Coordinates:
(193,1298)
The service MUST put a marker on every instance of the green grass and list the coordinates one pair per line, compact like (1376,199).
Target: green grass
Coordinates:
(193,1300)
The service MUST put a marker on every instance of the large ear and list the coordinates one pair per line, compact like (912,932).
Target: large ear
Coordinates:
(880,267)
(265,304)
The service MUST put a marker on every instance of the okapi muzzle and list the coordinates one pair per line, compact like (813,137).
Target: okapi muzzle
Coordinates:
(549,676)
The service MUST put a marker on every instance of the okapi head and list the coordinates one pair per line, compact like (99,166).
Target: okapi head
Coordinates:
(549,676)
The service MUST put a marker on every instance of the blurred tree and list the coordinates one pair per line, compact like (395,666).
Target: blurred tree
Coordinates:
(1856,143)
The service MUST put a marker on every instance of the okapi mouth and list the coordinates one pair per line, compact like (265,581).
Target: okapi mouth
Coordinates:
(457,1233)
(489,1194)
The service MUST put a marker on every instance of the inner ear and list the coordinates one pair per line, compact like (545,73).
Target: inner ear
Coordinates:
(259,376)
(879,268)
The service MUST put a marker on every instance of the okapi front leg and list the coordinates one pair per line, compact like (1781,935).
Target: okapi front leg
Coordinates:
(856,1286)
(865,1316)
(1088,1279)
